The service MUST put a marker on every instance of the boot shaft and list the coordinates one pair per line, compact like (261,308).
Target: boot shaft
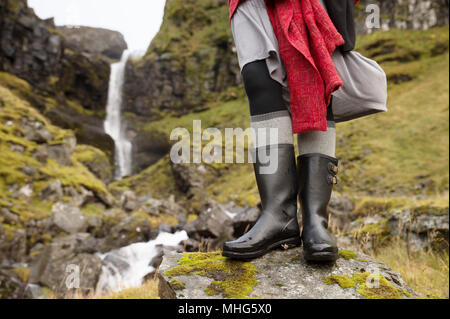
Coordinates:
(275,172)
(317,175)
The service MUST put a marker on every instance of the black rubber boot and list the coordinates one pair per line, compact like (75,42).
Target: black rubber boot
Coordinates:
(317,175)
(278,225)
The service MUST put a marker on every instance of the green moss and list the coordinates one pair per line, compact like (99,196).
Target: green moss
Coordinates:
(369,206)
(156,180)
(401,45)
(92,210)
(76,175)
(13,109)
(341,280)
(377,229)
(177,284)
(9,232)
(232,279)
(347,254)
(191,218)
(370,286)
(23,273)
(148,290)
(430,210)
(376,286)
(377,152)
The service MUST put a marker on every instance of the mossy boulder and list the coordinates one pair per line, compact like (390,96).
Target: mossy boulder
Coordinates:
(96,160)
(375,221)
(282,274)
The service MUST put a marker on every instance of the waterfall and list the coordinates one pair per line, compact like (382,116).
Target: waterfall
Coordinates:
(126,267)
(113,123)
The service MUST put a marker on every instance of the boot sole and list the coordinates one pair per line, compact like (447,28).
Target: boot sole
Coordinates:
(284,244)
(321,256)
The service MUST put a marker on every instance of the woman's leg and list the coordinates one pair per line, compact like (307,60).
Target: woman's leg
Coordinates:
(317,168)
(275,168)
(267,106)
(317,141)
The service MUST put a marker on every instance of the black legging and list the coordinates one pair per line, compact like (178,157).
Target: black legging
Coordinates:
(264,93)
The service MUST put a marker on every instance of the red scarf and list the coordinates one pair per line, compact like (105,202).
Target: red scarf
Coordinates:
(307,37)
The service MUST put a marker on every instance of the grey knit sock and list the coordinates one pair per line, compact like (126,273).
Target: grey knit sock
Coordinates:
(272,129)
(318,141)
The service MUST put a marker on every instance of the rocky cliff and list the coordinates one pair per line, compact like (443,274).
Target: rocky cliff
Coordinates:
(191,62)
(70,82)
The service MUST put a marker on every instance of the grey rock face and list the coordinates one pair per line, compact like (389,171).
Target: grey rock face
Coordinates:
(420,228)
(52,192)
(94,41)
(68,217)
(61,268)
(131,229)
(213,223)
(11,287)
(27,48)
(13,246)
(286,275)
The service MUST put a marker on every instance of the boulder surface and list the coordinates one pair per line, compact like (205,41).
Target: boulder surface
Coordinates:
(282,274)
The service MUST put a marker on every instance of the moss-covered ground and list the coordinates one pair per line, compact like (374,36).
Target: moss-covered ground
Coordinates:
(232,279)
(20,166)
(370,286)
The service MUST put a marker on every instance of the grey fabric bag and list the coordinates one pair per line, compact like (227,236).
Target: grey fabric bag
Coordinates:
(365,87)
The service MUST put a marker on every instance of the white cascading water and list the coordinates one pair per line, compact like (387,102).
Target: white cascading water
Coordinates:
(113,123)
(126,267)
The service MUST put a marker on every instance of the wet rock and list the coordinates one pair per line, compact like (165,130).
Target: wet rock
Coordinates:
(68,218)
(60,268)
(285,274)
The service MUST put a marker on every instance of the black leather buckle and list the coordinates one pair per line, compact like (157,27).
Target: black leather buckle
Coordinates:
(333,169)
(333,180)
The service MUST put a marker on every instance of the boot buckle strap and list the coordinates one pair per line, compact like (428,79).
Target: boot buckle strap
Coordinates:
(333,169)
(333,180)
